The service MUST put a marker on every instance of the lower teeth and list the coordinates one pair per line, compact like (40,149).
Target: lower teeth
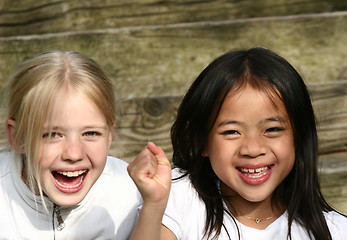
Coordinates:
(255,175)
(66,186)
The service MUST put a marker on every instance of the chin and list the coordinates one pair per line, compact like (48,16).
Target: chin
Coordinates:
(65,199)
(68,202)
(256,199)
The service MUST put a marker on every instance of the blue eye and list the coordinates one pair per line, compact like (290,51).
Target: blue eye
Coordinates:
(50,135)
(91,134)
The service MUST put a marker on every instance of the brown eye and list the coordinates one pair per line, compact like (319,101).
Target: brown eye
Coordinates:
(274,129)
(230,132)
(273,132)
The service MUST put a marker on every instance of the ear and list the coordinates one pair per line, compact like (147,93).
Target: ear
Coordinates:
(205,152)
(110,135)
(11,134)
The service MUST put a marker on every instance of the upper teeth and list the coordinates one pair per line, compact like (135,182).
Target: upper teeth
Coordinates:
(252,170)
(72,174)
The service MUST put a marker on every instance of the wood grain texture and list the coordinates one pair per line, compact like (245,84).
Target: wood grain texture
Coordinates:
(162,63)
(330,102)
(165,60)
(143,120)
(335,189)
(18,17)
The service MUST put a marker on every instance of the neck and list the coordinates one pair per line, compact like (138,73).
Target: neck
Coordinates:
(25,179)
(253,214)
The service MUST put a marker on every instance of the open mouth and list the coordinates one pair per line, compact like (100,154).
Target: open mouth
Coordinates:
(69,179)
(255,172)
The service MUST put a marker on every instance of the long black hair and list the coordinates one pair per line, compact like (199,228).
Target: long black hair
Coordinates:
(300,191)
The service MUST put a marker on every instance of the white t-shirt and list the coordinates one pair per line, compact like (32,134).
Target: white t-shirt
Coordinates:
(186,213)
(108,211)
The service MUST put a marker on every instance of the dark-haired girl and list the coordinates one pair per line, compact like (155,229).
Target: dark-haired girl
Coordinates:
(245,148)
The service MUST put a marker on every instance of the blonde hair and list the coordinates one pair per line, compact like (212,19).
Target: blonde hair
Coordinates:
(32,95)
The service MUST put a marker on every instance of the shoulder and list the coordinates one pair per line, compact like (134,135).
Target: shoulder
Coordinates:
(115,178)
(335,217)
(185,211)
(181,184)
(115,167)
(180,177)
(6,156)
(337,224)
(116,192)
(115,175)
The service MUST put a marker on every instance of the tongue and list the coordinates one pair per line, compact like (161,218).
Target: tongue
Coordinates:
(67,181)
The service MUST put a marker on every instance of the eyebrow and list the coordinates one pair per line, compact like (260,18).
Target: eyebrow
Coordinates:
(104,126)
(271,119)
(275,119)
(227,122)
(58,127)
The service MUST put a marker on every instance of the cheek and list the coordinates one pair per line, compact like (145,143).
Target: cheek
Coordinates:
(97,153)
(291,161)
(47,156)
(221,153)
(214,146)
(291,148)
(286,154)
(97,148)
(218,168)
(221,163)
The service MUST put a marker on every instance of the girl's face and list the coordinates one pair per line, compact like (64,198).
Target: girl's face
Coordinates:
(251,145)
(74,155)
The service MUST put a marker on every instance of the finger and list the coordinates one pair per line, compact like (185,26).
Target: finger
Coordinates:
(159,154)
(145,164)
(163,176)
(153,148)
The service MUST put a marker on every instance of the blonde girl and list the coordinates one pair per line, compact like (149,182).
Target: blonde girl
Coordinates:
(57,181)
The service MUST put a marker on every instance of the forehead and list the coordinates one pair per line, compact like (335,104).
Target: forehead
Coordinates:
(70,104)
(249,102)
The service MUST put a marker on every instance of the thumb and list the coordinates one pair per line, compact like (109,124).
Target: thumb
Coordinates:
(163,175)
(159,154)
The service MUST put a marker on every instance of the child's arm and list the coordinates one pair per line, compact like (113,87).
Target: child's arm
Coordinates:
(151,172)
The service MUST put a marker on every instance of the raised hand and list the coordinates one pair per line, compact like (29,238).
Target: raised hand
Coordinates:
(151,172)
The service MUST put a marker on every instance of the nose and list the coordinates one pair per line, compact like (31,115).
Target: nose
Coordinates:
(73,150)
(252,146)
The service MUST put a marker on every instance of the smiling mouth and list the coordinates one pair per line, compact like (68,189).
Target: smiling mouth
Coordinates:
(69,179)
(255,172)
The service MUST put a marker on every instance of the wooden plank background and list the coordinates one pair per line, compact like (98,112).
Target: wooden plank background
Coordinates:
(153,50)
